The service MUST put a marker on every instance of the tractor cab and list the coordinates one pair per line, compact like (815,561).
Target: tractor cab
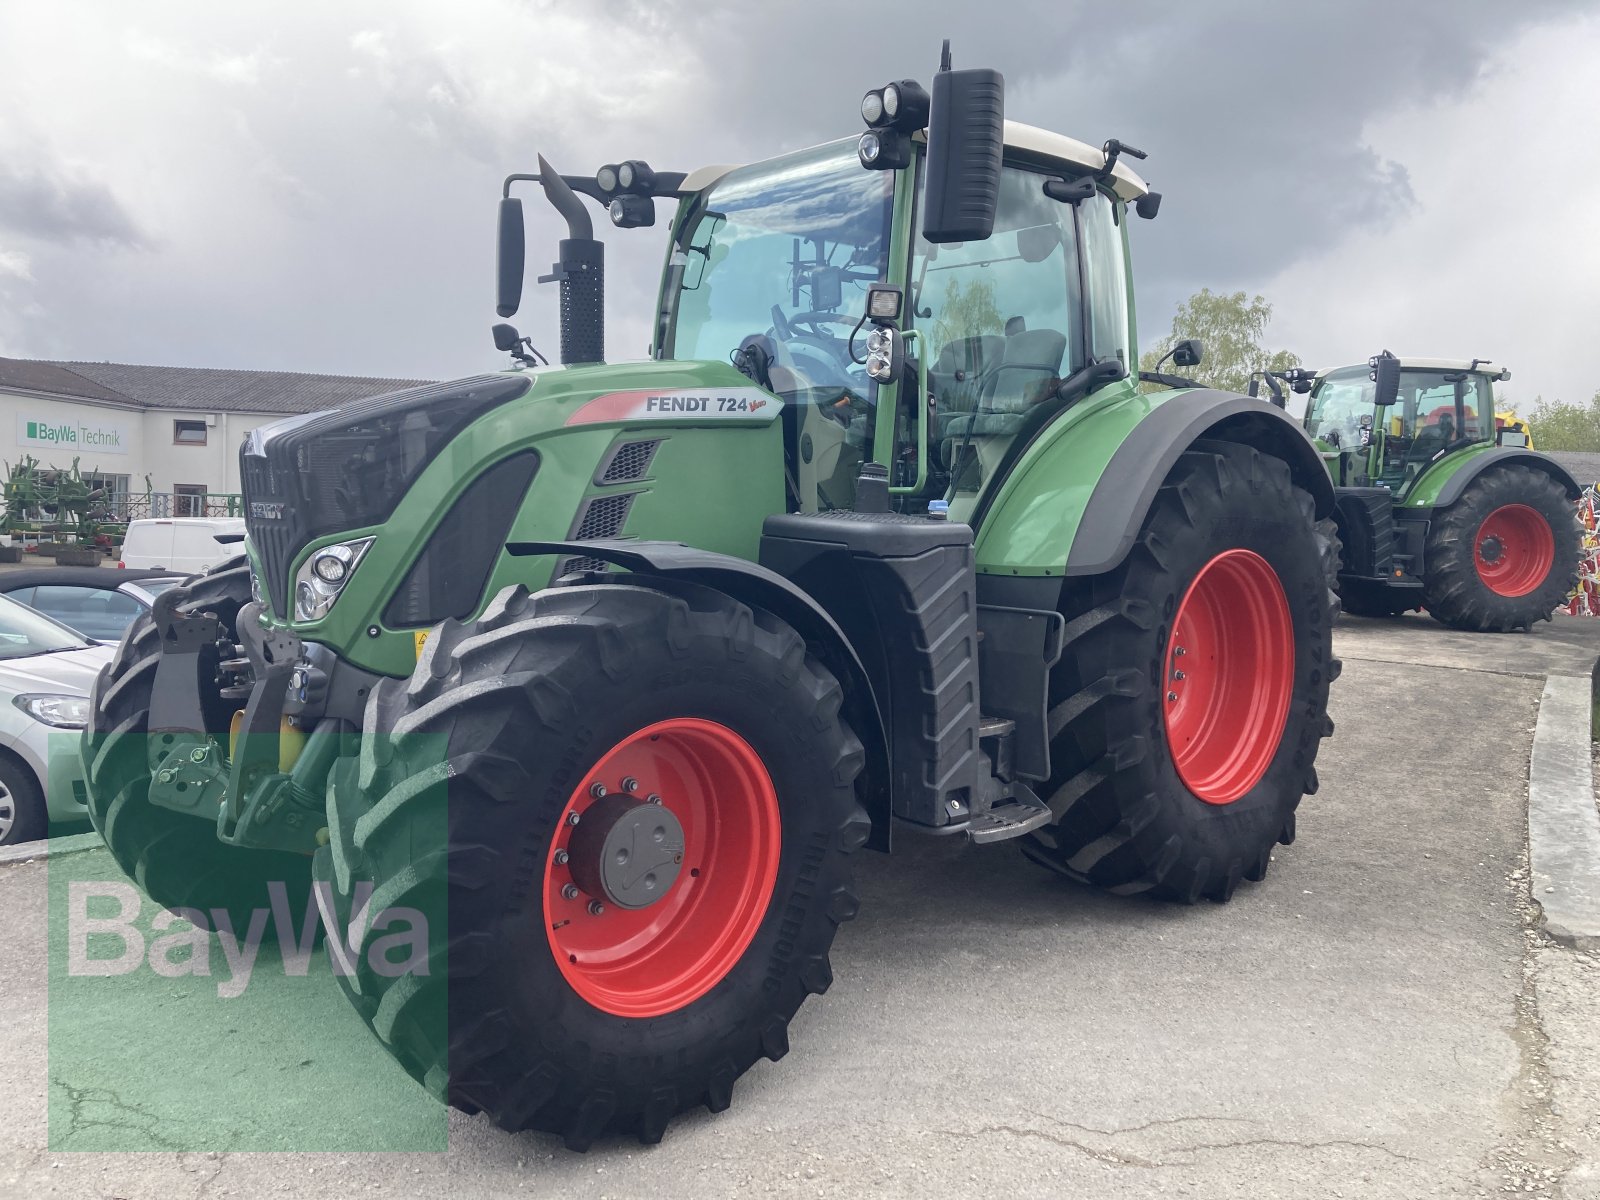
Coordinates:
(1439,406)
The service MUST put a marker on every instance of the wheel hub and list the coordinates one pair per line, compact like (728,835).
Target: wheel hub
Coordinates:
(1490,549)
(626,851)
(654,891)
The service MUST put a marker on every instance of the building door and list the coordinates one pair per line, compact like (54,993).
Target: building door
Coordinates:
(189,499)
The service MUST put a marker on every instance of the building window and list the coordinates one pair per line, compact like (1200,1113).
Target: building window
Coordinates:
(188,499)
(188,433)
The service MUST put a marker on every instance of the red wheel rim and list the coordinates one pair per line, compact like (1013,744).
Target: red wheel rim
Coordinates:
(1515,550)
(650,961)
(1230,675)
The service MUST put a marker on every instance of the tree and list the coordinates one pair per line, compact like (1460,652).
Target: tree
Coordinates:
(1560,425)
(966,312)
(1232,328)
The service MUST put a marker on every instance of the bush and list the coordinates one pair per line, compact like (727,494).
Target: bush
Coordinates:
(1559,425)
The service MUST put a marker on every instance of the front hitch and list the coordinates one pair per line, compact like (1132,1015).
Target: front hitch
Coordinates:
(199,765)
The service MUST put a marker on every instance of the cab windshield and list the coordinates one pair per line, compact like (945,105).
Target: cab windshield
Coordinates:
(1342,398)
(785,251)
(778,257)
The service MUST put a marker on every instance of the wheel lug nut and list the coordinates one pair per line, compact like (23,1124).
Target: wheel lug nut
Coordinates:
(652,798)
(597,790)
(561,858)
(1180,652)
(1177,675)
(596,908)
(572,818)
(570,892)
(630,784)
(1172,696)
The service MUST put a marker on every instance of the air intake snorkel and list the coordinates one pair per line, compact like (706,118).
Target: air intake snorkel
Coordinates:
(581,271)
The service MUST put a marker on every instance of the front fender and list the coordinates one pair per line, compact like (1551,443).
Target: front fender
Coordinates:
(1443,482)
(757,586)
(1077,497)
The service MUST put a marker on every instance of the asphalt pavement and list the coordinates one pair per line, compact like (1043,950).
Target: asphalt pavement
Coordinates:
(1380,1018)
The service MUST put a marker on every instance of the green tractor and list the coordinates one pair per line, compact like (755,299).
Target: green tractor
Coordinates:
(600,673)
(1441,505)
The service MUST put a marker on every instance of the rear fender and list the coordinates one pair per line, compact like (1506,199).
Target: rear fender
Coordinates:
(1442,484)
(675,563)
(1078,496)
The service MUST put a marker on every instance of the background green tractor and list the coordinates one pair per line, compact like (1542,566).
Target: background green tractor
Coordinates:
(600,673)
(1440,506)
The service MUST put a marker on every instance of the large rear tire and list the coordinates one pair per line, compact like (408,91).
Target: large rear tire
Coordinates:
(1505,554)
(1191,699)
(176,858)
(551,1004)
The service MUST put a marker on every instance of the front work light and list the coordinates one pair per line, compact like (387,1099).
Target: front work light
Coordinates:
(606,177)
(637,177)
(884,150)
(872,108)
(633,212)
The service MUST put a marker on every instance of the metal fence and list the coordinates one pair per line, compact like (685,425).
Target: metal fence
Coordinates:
(135,506)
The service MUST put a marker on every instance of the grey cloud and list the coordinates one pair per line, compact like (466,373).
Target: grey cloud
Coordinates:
(388,155)
(1253,113)
(54,204)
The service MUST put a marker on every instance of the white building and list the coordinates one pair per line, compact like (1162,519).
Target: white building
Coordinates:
(169,431)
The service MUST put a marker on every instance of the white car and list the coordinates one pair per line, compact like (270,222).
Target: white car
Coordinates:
(183,545)
(46,671)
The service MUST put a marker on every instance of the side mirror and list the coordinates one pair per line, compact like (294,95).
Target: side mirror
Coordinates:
(966,139)
(1386,374)
(506,337)
(512,253)
(1188,353)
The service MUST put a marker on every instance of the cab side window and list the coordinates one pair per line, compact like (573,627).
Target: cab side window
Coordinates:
(998,322)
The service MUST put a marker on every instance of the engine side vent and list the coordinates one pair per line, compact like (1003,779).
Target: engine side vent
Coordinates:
(571,566)
(628,461)
(602,516)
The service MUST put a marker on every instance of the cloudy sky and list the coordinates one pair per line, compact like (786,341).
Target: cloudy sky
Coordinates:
(311,186)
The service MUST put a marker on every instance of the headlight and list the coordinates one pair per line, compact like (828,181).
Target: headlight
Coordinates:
(331,565)
(322,577)
(869,147)
(891,102)
(58,712)
(872,107)
(606,177)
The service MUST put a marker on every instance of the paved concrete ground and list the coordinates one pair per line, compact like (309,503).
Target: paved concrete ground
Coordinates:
(1378,1019)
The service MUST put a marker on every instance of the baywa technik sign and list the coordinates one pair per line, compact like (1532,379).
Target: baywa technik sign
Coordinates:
(80,437)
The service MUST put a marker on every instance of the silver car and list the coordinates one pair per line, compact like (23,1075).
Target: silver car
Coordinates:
(46,671)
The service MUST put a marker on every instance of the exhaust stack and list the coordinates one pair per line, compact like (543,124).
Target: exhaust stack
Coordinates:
(581,271)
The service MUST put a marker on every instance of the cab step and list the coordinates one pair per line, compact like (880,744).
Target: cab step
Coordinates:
(1022,814)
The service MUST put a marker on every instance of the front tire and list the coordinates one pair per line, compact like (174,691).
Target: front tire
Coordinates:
(1189,705)
(1505,554)
(550,1004)
(176,858)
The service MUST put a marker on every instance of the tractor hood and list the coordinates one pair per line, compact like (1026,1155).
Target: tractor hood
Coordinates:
(352,469)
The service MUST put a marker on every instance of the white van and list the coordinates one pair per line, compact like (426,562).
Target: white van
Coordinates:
(182,545)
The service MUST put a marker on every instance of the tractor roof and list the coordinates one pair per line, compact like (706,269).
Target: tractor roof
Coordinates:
(1030,140)
(1484,367)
